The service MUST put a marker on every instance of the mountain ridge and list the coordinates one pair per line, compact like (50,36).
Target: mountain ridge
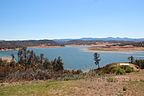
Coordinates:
(104,39)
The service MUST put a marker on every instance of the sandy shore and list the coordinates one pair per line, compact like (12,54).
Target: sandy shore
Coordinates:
(73,45)
(9,49)
(117,48)
(5,59)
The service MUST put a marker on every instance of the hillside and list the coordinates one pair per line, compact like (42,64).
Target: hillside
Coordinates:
(26,43)
(131,84)
(104,39)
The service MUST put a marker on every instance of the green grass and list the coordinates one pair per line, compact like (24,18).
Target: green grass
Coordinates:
(52,88)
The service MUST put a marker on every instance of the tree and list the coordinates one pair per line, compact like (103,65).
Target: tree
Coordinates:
(57,64)
(13,57)
(97,59)
(47,65)
(131,59)
(13,61)
(60,63)
(41,57)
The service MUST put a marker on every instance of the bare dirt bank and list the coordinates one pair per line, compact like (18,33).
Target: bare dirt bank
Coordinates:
(44,46)
(117,48)
(9,49)
(5,59)
(74,45)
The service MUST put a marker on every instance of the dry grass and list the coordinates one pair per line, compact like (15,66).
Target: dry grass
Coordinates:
(117,85)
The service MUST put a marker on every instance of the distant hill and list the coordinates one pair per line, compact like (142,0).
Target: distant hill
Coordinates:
(115,39)
(82,42)
(26,43)
(62,40)
(103,39)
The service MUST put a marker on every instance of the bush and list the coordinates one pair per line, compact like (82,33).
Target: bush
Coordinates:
(118,70)
(128,69)
(140,63)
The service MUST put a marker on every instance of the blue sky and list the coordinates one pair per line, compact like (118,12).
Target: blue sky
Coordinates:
(49,19)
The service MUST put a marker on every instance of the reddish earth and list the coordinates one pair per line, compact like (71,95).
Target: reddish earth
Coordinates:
(5,59)
(80,45)
(9,49)
(44,46)
(116,48)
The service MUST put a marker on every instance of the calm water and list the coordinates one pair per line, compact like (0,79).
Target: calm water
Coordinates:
(77,58)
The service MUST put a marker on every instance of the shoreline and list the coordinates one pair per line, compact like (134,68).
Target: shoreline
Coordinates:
(44,46)
(74,45)
(115,49)
(6,59)
(9,49)
(41,46)
(92,48)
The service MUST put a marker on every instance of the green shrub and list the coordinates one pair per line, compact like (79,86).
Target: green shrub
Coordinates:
(118,70)
(128,69)
(140,63)
(142,80)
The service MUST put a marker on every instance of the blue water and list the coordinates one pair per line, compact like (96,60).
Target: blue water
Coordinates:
(76,58)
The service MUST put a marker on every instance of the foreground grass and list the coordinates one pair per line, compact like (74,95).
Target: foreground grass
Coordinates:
(105,85)
(52,88)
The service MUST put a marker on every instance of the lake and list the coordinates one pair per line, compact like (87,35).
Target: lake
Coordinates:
(77,58)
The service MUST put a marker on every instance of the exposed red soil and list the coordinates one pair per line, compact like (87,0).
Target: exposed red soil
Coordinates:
(116,48)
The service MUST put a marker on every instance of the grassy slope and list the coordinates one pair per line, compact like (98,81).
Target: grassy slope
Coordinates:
(52,88)
(104,86)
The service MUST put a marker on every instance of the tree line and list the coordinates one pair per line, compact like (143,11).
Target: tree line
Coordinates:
(28,60)
(27,43)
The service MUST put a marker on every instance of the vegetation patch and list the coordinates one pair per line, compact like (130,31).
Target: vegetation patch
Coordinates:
(115,69)
(29,66)
(139,62)
(36,89)
(118,70)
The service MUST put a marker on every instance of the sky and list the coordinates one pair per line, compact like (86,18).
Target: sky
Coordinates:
(59,19)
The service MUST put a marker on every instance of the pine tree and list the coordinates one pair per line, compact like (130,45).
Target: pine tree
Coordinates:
(97,59)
